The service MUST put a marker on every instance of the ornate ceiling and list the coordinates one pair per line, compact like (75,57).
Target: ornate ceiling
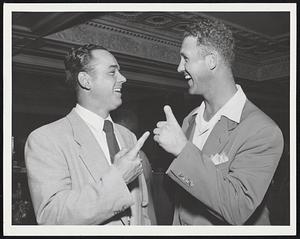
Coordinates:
(254,38)
(262,38)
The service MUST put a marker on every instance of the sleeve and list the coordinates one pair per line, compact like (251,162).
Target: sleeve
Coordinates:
(234,196)
(54,199)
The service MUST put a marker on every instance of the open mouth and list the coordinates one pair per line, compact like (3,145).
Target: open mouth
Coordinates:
(187,77)
(118,89)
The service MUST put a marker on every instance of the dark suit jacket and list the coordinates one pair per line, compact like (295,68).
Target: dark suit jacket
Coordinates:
(231,192)
(71,182)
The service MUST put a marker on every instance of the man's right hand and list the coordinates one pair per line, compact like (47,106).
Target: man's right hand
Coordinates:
(128,162)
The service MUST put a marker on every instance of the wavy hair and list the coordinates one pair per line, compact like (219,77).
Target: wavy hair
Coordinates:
(213,34)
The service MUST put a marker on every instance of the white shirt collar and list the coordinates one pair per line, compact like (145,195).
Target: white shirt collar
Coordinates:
(232,109)
(91,118)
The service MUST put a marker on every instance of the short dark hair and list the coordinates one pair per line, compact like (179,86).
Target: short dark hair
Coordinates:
(77,60)
(213,34)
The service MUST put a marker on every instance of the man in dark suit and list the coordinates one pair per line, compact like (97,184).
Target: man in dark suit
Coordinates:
(227,150)
(84,168)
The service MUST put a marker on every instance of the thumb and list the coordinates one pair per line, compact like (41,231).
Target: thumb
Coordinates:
(169,114)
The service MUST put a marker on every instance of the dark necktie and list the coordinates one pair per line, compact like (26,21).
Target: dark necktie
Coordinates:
(112,143)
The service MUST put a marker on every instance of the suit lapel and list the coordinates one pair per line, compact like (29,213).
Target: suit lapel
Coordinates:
(191,128)
(89,150)
(123,142)
(91,153)
(218,137)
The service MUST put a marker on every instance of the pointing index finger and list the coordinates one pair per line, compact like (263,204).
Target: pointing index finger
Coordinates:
(139,144)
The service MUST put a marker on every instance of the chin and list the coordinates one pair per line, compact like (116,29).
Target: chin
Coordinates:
(192,91)
(117,104)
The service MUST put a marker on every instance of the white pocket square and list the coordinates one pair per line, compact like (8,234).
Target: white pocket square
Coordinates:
(219,158)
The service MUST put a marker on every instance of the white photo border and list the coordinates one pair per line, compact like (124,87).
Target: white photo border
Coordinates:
(16,230)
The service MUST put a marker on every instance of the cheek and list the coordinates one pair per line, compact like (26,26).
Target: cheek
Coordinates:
(198,69)
(110,81)
(106,84)
(191,68)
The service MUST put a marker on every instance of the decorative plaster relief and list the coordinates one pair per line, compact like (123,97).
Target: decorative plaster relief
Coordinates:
(150,47)
(116,41)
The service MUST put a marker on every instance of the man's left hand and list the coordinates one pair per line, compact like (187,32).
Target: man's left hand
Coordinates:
(168,134)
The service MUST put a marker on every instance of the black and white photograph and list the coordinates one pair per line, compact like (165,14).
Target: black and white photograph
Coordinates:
(149,119)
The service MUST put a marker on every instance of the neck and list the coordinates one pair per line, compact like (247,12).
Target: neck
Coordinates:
(222,90)
(103,113)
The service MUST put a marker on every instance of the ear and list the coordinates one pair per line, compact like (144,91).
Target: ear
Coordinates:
(212,60)
(84,80)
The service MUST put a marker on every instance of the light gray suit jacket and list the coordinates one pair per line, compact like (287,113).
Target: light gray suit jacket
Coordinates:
(71,182)
(231,192)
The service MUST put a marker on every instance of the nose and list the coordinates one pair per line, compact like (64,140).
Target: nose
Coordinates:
(180,67)
(122,78)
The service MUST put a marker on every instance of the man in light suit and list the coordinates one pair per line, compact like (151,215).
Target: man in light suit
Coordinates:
(227,150)
(75,175)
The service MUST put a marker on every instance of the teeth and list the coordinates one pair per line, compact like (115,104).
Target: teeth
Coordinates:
(117,90)
(187,77)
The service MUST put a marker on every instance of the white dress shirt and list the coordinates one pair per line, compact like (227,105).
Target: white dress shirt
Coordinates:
(232,109)
(95,124)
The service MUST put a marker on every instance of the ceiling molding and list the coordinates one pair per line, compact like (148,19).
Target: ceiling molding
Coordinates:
(120,42)
(139,45)
(135,32)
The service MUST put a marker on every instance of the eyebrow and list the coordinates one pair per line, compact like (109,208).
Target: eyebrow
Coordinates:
(115,66)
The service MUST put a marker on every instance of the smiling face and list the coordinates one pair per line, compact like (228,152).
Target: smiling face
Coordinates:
(105,81)
(194,66)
